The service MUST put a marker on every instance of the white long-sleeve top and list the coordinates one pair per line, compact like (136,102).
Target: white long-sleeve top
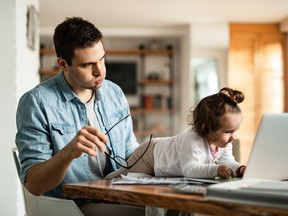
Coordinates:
(189,155)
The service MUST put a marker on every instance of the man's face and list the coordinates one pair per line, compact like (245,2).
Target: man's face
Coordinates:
(87,69)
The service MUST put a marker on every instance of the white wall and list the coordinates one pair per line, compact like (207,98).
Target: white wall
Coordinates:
(19,68)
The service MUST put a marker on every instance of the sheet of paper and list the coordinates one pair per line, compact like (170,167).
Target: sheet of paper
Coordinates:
(142,178)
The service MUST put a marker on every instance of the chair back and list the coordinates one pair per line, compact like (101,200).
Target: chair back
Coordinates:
(43,205)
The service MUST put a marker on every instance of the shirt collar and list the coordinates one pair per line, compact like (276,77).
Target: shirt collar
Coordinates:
(68,93)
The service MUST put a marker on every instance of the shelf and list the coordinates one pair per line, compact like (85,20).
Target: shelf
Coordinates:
(120,52)
(49,72)
(54,72)
(156,82)
(139,111)
(47,52)
(157,52)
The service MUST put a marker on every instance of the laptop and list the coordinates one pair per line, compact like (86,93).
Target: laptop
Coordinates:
(268,158)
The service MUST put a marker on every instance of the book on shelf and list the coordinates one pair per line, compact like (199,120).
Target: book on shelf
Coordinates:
(156,102)
(270,193)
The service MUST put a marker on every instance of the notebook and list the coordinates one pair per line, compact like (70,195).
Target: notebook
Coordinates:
(268,158)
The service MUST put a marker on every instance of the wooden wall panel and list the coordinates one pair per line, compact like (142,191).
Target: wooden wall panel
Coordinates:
(256,67)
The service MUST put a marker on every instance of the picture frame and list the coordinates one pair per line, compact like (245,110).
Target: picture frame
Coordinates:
(32,27)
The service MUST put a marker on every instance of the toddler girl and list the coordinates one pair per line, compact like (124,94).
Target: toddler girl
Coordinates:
(205,151)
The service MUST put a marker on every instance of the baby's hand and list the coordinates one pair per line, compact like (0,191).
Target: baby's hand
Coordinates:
(240,171)
(224,171)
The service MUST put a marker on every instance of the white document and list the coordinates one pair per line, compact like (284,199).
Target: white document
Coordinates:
(142,178)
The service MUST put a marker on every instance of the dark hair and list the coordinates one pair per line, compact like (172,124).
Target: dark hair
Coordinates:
(74,33)
(205,118)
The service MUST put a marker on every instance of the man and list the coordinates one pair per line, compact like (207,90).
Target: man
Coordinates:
(65,123)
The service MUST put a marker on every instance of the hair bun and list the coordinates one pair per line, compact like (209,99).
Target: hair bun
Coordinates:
(234,95)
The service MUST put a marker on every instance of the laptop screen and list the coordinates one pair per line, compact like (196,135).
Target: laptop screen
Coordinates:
(269,155)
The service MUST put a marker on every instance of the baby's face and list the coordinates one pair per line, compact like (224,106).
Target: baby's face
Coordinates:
(230,123)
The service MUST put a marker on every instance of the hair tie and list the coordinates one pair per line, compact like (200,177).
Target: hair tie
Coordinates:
(231,97)
(234,98)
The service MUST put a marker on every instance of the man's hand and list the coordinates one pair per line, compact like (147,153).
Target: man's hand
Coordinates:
(87,140)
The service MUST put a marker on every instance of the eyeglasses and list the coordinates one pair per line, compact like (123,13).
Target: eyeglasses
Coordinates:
(119,160)
(123,162)
(117,124)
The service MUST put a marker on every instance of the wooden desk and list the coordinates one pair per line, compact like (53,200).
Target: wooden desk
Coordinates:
(163,196)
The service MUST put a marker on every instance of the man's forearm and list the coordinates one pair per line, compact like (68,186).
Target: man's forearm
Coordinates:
(47,175)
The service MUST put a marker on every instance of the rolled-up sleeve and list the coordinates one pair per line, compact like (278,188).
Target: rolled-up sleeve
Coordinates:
(32,137)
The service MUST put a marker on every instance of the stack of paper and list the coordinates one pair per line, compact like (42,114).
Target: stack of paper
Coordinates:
(141,178)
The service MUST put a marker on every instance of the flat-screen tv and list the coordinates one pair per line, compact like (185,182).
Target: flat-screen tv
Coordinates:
(123,73)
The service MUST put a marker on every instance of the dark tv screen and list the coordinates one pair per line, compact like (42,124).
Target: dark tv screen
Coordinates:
(124,74)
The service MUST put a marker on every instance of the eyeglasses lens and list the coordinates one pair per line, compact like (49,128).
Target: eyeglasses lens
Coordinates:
(121,161)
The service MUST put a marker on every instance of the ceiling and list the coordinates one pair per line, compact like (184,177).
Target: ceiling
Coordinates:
(209,18)
(164,13)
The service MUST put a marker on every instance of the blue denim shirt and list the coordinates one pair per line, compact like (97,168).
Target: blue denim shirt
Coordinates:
(50,115)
